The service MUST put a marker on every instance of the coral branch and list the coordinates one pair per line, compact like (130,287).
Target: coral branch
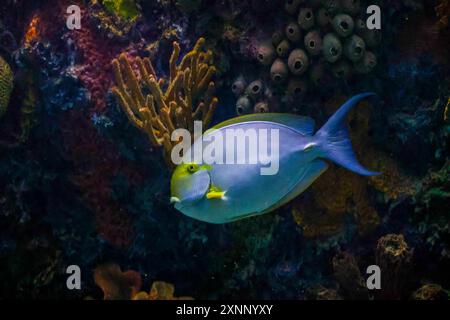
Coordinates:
(170,106)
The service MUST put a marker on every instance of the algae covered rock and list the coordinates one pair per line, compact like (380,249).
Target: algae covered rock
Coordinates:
(6,85)
(125,9)
(394,257)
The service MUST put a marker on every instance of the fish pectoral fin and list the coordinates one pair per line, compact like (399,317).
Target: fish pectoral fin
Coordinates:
(174,200)
(216,195)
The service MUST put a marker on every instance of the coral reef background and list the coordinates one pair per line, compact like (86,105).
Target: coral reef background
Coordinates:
(81,185)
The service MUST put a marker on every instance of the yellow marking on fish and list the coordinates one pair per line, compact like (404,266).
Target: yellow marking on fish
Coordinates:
(215,195)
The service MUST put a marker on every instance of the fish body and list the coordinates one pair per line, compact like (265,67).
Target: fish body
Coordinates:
(226,192)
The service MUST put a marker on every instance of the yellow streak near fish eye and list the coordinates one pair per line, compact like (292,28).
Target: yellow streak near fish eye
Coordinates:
(206,167)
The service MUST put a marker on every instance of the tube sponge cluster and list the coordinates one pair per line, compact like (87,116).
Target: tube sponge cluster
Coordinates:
(6,85)
(253,97)
(319,35)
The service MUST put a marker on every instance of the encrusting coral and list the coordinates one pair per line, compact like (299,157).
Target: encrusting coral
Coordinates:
(6,85)
(167,106)
(116,17)
(93,65)
(115,284)
(125,285)
(160,290)
(442,12)
(430,291)
(319,292)
(394,257)
(95,163)
(347,274)
(125,9)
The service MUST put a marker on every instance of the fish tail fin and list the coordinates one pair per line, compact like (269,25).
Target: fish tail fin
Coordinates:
(334,141)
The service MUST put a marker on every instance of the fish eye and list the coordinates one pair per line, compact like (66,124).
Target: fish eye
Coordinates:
(192,167)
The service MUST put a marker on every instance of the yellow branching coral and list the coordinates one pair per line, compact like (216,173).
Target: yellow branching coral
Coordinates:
(172,103)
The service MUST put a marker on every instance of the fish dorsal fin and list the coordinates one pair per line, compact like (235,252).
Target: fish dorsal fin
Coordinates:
(301,124)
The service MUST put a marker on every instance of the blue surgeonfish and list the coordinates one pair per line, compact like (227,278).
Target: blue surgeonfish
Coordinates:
(224,192)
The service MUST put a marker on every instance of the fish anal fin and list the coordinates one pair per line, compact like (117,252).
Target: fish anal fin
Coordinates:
(311,172)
